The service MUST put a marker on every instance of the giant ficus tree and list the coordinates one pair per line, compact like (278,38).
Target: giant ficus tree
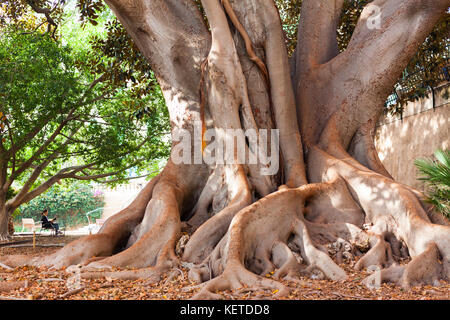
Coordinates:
(224,65)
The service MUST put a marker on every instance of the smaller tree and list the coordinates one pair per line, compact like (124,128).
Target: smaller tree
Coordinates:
(60,121)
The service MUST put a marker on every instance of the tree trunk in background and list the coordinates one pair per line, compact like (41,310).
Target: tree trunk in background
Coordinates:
(4,225)
(331,200)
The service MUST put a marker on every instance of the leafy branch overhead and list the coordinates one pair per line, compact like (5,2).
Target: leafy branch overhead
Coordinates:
(62,118)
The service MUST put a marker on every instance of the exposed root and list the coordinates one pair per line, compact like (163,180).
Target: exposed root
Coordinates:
(110,237)
(267,226)
(396,216)
(334,204)
(287,263)
(315,257)
(206,237)
(152,274)
(237,278)
(425,268)
(283,235)
(392,274)
(16,260)
(379,255)
(157,233)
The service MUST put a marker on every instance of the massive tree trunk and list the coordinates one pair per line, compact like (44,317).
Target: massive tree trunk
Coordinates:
(331,198)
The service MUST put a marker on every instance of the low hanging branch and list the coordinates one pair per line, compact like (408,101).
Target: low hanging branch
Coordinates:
(47,13)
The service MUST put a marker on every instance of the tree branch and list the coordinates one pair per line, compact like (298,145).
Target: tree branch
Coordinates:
(36,173)
(29,136)
(317,33)
(169,49)
(25,165)
(383,49)
(375,58)
(353,86)
(62,174)
(126,179)
(46,12)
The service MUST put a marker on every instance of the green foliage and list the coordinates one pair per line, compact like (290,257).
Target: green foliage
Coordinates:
(290,16)
(436,174)
(69,205)
(11,193)
(73,105)
(56,115)
(107,50)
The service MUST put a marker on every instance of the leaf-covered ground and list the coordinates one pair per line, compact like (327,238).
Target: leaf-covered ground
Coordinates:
(47,284)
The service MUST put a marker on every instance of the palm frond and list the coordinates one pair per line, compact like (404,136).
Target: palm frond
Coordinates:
(436,171)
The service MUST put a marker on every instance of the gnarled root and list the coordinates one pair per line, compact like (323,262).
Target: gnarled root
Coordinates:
(206,237)
(257,243)
(425,268)
(379,255)
(157,234)
(398,221)
(315,257)
(283,235)
(237,277)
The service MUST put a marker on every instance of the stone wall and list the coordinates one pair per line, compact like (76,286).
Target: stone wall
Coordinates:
(422,130)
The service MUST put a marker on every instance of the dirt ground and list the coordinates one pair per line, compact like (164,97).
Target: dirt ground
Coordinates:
(47,284)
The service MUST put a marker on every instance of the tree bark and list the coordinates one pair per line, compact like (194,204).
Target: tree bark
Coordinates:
(334,196)
(4,219)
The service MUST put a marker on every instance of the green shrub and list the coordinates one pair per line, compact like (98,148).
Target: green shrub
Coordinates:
(69,205)
(436,174)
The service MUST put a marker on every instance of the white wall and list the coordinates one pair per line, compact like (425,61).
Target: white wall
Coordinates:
(422,131)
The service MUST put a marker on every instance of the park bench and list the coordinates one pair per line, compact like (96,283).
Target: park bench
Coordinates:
(30,224)
(94,228)
(99,222)
(33,226)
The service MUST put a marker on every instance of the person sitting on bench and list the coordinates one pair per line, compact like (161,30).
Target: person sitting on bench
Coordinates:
(49,224)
